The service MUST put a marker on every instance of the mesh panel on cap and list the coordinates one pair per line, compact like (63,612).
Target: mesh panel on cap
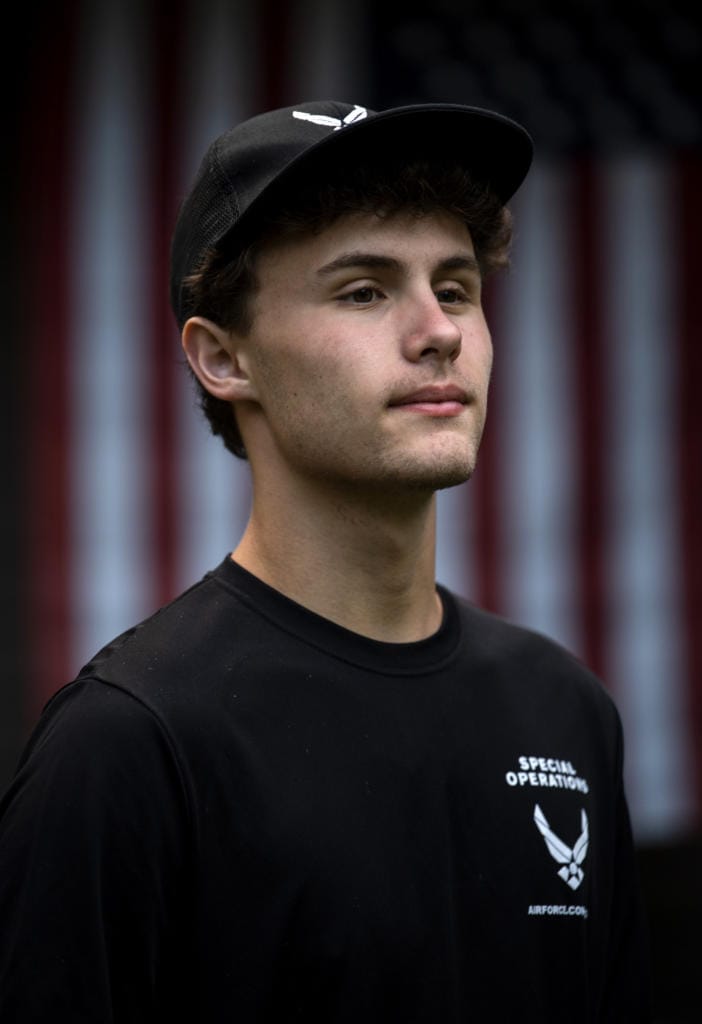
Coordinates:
(211,210)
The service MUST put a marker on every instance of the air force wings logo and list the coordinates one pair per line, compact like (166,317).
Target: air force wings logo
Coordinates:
(357,114)
(571,872)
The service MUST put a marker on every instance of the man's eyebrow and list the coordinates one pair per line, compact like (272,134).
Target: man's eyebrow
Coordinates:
(360,259)
(374,260)
(460,262)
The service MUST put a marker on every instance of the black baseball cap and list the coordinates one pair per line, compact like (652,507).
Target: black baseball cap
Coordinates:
(245,168)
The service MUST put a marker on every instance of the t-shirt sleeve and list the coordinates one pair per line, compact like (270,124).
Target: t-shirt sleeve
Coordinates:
(93,847)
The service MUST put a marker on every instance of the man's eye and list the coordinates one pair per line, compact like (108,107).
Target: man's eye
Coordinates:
(361,296)
(448,296)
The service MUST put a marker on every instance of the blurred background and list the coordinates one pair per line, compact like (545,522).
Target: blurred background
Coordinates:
(583,518)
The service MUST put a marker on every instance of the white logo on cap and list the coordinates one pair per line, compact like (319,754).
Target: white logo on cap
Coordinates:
(357,114)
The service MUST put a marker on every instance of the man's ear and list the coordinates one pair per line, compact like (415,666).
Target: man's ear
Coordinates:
(216,359)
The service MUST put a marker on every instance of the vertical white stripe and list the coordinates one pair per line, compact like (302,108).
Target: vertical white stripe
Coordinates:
(213,485)
(538,432)
(108,340)
(455,540)
(644,638)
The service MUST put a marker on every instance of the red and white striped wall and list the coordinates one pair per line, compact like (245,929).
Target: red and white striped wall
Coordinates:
(583,517)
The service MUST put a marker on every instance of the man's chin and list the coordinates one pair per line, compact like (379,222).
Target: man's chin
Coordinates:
(447,462)
(453,479)
(437,473)
(441,480)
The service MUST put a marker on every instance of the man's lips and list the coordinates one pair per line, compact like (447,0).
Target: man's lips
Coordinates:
(434,400)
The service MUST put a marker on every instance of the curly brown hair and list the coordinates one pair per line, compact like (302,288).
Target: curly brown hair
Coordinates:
(225,282)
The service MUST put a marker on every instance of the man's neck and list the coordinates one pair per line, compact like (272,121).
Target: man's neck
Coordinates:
(368,566)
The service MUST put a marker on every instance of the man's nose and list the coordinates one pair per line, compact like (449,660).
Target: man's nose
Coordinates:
(430,332)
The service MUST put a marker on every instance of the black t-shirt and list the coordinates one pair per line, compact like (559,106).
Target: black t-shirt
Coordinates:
(240,811)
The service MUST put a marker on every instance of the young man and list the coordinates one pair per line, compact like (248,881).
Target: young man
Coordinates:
(318,786)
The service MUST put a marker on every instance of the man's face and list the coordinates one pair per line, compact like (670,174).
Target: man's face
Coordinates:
(369,355)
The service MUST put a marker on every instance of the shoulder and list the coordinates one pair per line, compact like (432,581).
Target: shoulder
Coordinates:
(166,683)
(529,664)
(92,772)
(180,624)
(490,633)
(92,734)
(175,653)
(497,639)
